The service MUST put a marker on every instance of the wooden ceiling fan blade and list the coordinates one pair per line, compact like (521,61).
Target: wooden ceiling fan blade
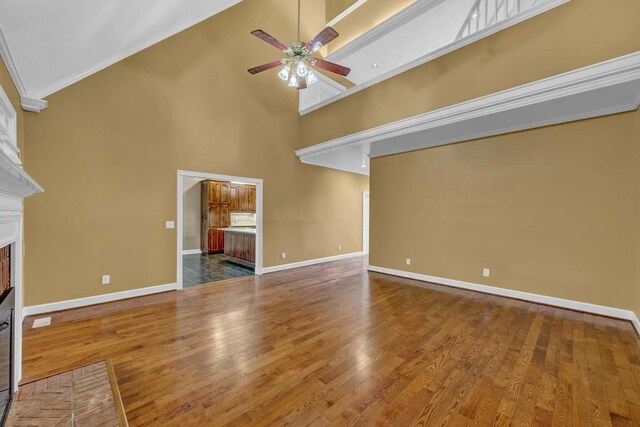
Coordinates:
(334,68)
(264,67)
(322,39)
(269,39)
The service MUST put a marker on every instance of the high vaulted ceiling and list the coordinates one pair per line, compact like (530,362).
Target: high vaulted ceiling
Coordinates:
(49,45)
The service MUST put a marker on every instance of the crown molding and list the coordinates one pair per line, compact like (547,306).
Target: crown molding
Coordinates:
(5,52)
(605,88)
(375,33)
(32,104)
(144,45)
(27,103)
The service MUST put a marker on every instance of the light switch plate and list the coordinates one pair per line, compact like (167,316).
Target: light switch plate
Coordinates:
(169,225)
(486,272)
(106,279)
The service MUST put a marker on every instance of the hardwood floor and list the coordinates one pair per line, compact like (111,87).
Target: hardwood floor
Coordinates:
(333,344)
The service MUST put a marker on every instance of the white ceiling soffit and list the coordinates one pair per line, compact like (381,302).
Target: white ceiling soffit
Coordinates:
(49,45)
(597,90)
(423,31)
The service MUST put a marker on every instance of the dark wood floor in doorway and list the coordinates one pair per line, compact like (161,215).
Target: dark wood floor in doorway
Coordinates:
(334,345)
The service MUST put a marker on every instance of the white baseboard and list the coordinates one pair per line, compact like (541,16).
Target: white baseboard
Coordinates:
(542,299)
(310,262)
(192,252)
(98,299)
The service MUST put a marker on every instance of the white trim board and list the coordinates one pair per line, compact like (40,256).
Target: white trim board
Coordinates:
(346,13)
(509,293)
(393,22)
(98,299)
(600,89)
(310,262)
(192,252)
(378,32)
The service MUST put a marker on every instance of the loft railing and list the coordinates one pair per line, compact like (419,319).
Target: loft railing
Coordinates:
(485,13)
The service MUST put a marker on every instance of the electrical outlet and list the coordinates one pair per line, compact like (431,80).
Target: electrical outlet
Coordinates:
(283,255)
(408,261)
(486,272)
(339,247)
(169,225)
(106,279)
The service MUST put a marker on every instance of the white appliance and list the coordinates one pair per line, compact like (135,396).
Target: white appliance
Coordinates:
(243,219)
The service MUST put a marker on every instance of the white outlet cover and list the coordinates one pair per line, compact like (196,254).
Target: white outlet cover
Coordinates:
(408,261)
(169,225)
(339,247)
(283,255)
(486,272)
(106,279)
(43,321)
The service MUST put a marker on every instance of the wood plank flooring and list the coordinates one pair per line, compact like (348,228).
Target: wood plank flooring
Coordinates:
(334,345)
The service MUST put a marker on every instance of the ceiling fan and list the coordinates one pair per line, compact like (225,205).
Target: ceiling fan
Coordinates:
(299,62)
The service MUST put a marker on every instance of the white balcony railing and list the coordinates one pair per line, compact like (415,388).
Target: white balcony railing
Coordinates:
(486,13)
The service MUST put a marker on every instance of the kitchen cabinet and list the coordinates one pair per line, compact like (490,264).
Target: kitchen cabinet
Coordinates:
(242,198)
(215,214)
(240,247)
(218,200)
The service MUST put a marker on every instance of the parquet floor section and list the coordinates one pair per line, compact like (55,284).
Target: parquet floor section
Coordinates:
(335,345)
(81,397)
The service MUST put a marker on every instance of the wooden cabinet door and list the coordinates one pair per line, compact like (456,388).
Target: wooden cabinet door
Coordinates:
(243,199)
(252,199)
(220,240)
(225,216)
(233,198)
(204,217)
(214,192)
(224,193)
(215,216)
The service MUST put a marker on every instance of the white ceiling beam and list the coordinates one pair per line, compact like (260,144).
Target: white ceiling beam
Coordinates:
(601,89)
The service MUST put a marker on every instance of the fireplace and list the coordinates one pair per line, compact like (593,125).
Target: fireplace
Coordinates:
(15,186)
(7,308)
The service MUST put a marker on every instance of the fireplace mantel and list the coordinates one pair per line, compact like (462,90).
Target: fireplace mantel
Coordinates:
(15,185)
(14,181)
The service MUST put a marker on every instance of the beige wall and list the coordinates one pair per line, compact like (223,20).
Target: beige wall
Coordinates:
(550,211)
(191,214)
(108,148)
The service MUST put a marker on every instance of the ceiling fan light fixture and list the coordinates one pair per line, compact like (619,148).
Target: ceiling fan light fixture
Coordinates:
(299,63)
(284,73)
(311,78)
(301,69)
